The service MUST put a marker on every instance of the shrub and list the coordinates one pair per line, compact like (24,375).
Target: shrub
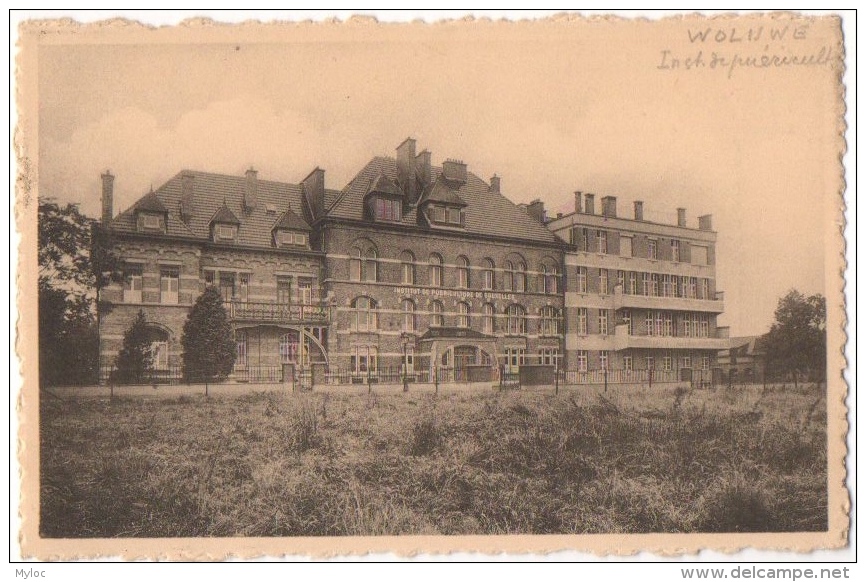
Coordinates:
(425,437)
(736,506)
(208,345)
(135,358)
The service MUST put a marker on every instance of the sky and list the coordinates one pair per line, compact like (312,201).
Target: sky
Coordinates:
(550,107)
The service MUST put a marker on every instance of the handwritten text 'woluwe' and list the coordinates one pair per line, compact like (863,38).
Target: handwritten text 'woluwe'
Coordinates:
(759,47)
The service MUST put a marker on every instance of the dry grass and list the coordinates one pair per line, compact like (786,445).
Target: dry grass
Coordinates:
(269,464)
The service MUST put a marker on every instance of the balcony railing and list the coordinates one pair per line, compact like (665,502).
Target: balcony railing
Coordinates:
(276,312)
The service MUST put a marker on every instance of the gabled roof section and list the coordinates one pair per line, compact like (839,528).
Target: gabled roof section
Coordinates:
(291,221)
(150,203)
(445,192)
(384,185)
(487,213)
(225,216)
(211,193)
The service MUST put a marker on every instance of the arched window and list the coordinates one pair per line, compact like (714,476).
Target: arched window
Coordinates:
(520,277)
(408,315)
(487,321)
(462,272)
(435,270)
(407,263)
(509,276)
(364,314)
(549,324)
(489,280)
(355,265)
(371,266)
(437,317)
(548,279)
(462,314)
(516,320)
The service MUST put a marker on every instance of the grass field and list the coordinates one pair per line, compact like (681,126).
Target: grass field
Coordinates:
(583,461)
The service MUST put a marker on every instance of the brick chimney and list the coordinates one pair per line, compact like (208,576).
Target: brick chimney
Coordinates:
(608,206)
(454,170)
(314,191)
(590,203)
(681,216)
(187,196)
(251,190)
(705,222)
(536,210)
(494,184)
(638,209)
(424,171)
(578,201)
(406,169)
(107,197)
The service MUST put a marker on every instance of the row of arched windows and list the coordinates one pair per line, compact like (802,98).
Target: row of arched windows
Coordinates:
(513,276)
(365,317)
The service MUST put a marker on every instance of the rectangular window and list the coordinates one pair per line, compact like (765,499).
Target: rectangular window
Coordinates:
(684,287)
(668,285)
(620,280)
(454,216)
(581,320)
(705,289)
(581,279)
(650,363)
(601,236)
(603,321)
(408,274)
(654,285)
(225,232)
(227,286)
(209,278)
(659,323)
(584,241)
(364,360)
(650,327)
(667,364)
(285,237)
(388,209)
(652,249)
(603,358)
(487,320)
(284,290)
(244,286)
(355,267)
(705,363)
(582,360)
(632,283)
(646,284)
(705,326)
(169,278)
(548,356)
(241,345)
(305,291)
(603,282)
(300,239)
(675,251)
(409,359)
(514,358)
(693,287)
(626,319)
(132,282)
(625,246)
(150,220)
(668,324)
(686,362)
(627,363)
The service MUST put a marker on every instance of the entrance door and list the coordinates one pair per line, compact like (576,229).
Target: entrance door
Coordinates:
(464,356)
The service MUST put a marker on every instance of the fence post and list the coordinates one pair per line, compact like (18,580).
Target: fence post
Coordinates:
(436,380)
(369,384)
(556,379)
(605,379)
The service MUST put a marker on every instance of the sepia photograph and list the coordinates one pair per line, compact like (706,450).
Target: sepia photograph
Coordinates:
(468,285)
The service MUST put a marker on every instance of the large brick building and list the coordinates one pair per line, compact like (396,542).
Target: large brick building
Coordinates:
(410,267)
(640,295)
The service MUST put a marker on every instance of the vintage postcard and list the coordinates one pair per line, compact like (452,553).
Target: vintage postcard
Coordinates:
(331,288)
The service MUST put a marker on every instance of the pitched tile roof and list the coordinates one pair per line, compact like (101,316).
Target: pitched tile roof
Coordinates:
(487,212)
(212,191)
(385,186)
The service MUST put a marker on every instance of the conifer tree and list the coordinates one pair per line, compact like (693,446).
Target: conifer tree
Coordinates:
(208,345)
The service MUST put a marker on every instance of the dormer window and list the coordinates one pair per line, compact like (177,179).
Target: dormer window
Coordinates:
(225,232)
(447,215)
(287,238)
(389,209)
(150,221)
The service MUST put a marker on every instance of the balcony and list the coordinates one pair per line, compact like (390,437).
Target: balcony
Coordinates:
(622,341)
(293,313)
(621,300)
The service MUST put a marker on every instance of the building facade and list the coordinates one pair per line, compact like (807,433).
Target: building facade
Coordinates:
(409,267)
(640,296)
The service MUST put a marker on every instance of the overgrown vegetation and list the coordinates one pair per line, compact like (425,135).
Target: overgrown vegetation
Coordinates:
(274,464)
